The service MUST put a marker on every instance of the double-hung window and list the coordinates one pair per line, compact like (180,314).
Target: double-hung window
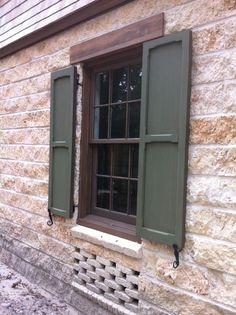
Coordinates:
(134,134)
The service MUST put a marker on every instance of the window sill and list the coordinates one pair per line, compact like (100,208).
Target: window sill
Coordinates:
(115,243)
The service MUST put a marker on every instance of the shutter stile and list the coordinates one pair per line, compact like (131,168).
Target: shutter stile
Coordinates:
(62,129)
(164,138)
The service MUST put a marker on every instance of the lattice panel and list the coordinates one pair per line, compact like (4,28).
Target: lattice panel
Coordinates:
(115,282)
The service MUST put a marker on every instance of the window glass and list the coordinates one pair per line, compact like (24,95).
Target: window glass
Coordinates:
(103,192)
(119,195)
(135,82)
(121,160)
(119,86)
(134,119)
(103,160)
(101,122)
(118,121)
(102,88)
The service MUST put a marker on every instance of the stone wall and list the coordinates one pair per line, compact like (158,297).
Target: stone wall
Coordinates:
(205,282)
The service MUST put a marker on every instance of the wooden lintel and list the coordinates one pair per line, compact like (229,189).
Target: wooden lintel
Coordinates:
(129,36)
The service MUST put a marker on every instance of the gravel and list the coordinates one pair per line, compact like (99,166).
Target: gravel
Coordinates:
(19,296)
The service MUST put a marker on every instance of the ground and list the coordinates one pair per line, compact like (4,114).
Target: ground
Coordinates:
(19,296)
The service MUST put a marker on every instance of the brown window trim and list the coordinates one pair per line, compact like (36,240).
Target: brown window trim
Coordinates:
(86,217)
(108,49)
(118,40)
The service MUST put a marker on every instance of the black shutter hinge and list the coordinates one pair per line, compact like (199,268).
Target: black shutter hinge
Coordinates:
(176,253)
(78,83)
(50,221)
(75,206)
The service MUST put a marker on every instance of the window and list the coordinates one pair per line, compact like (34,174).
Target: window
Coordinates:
(115,137)
(111,110)
(113,141)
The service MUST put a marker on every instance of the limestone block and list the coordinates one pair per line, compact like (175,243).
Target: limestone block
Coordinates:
(214,98)
(112,298)
(215,67)
(26,87)
(222,288)
(113,271)
(25,186)
(30,119)
(93,288)
(59,60)
(25,153)
(101,285)
(25,103)
(25,136)
(178,302)
(123,296)
(150,309)
(214,130)
(94,275)
(132,293)
(211,253)
(24,71)
(103,274)
(133,279)
(112,284)
(212,191)
(215,223)
(103,261)
(212,161)
(30,203)
(197,13)
(25,169)
(124,282)
(185,276)
(84,277)
(217,36)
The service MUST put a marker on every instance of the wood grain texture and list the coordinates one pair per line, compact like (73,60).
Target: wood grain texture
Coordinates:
(126,37)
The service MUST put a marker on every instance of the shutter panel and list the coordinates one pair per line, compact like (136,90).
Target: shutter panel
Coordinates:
(62,125)
(163,139)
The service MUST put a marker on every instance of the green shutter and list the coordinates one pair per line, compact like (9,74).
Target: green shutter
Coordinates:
(164,138)
(62,123)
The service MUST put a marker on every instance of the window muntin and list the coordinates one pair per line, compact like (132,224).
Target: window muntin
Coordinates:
(116,120)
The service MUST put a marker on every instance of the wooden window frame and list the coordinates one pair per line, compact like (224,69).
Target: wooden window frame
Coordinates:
(111,48)
(86,217)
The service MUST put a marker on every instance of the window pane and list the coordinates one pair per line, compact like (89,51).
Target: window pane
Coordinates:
(102,88)
(135,82)
(134,160)
(134,120)
(118,121)
(133,197)
(101,122)
(103,192)
(121,160)
(119,194)
(119,89)
(103,159)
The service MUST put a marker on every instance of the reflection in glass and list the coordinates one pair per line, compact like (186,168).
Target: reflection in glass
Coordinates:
(119,195)
(103,159)
(134,160)
(135,82)
(121,160)
(134,119)
(101,122)
(119,88)
(133,197)
(103,192)
(118,121)
(102,88)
